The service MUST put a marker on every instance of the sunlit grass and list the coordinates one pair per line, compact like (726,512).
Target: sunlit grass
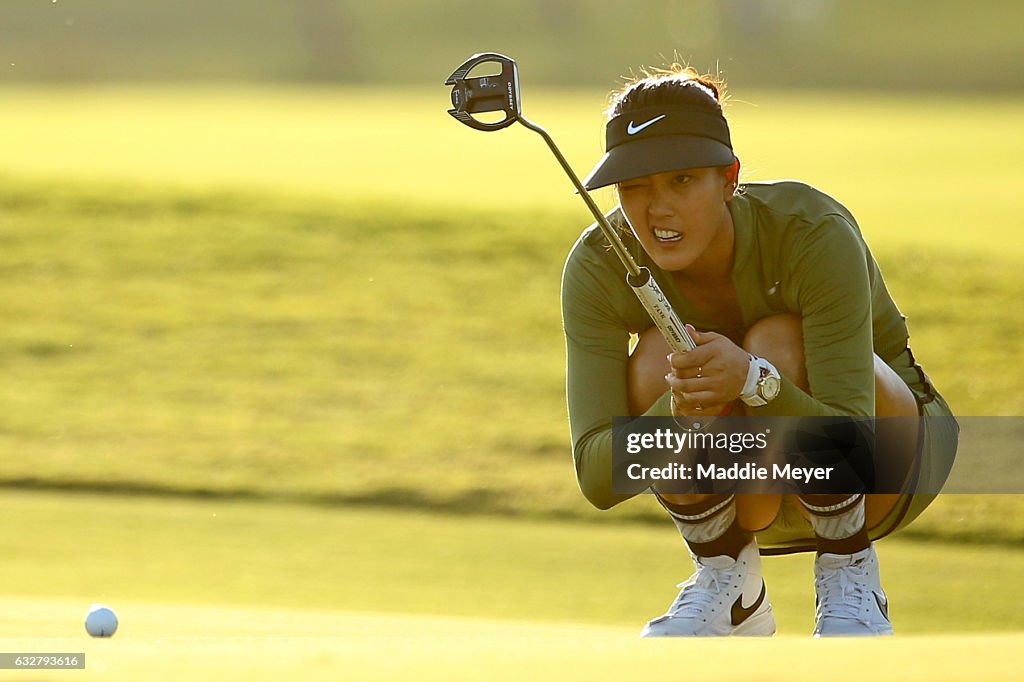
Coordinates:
(915,169)
(250,554)
(342,294)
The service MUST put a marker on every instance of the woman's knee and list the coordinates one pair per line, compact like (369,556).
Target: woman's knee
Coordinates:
(893,397)
(648,365)
(780,340)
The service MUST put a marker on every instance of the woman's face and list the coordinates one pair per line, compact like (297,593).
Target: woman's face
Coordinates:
(681,216)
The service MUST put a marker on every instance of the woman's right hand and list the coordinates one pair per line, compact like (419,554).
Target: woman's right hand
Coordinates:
(706,380)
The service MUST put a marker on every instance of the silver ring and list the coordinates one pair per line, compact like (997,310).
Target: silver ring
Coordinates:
(700,370)
(699,408)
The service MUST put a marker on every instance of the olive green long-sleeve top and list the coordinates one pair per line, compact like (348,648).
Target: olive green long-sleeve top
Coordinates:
(796,250)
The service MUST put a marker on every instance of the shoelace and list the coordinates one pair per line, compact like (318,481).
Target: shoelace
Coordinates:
(699,591)
(841,583)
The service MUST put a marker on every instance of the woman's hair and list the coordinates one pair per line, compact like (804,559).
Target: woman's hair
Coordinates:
(673,85)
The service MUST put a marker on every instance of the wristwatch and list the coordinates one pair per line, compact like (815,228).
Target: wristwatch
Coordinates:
(763,383)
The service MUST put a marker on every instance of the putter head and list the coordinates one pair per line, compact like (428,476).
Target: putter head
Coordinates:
(488,93)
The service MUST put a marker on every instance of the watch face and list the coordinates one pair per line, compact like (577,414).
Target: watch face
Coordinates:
(769,387)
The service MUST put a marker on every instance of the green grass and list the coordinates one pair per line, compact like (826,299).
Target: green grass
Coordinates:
(257,645)
(125,549)
(263,645)
(265,292)
(256,591)
(249,294)
(229,344)
(902,163)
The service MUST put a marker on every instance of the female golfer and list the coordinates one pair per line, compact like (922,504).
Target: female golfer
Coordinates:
(790,316)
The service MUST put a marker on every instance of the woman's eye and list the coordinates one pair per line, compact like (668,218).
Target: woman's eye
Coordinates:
(683,179)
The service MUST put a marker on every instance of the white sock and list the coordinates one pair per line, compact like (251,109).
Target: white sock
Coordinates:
(837,521)
(707,525)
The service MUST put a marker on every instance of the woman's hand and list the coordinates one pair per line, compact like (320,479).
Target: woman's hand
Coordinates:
(706,379)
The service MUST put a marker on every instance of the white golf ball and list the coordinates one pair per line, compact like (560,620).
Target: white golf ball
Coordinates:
(100,621)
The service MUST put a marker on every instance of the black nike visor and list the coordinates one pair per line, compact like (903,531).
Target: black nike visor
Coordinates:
(658,140)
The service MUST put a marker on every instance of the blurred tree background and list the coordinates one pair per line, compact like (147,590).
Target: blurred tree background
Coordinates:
(835,44)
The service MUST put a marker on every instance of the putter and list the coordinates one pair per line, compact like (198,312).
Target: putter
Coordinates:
(500,92)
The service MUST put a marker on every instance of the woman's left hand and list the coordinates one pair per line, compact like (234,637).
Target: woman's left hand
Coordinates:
(709,377)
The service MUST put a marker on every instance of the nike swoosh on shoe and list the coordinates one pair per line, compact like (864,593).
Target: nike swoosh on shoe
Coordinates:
(740,612)
(883,606)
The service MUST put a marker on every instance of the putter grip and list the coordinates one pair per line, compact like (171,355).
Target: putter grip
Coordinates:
(665,319)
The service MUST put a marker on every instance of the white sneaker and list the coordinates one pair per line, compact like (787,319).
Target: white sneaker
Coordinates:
(724,597)
(850,598)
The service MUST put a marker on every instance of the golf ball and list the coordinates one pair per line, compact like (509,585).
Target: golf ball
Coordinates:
(100,621)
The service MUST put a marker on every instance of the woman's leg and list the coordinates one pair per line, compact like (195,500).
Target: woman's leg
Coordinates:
(648,366)
(727,594)
(847,585)
(846,557)
(779,339)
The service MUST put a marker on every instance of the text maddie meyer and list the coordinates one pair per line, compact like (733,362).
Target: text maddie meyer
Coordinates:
(733,472)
